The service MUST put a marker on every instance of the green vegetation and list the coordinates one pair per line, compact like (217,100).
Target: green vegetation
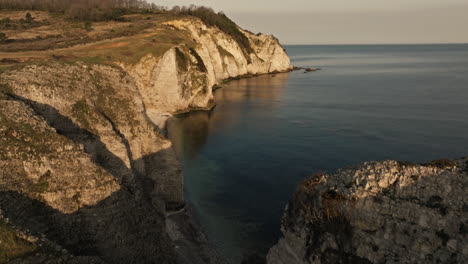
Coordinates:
(11,245)
(220,20)
(92,10)
(111,103)
(88,26)
(182,61)
(29,18)
(5,22)
(200,64)
(43,184)
(84,115)
(3,38)
(71,39)
(5,88)
(23,140)
(64,27)
(24,23)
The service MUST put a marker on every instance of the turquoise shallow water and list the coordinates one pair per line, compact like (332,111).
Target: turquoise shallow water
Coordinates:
(243,160)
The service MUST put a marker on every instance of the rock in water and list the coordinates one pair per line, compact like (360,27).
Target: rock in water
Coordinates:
(379,212)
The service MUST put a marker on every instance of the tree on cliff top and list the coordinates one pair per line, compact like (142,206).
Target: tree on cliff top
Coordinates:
(82,9)
(3,37)
(220,20)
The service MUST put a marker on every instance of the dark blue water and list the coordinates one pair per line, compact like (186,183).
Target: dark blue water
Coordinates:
(243,160)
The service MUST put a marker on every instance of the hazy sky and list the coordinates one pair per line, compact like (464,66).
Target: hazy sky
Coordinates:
(347,21)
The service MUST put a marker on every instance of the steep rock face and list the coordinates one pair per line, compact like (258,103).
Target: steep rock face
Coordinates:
(34,158)
(84,170)
(183,78)
(379,212)
(100,108)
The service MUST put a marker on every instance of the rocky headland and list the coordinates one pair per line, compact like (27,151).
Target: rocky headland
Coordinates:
(86,175)
(378,212)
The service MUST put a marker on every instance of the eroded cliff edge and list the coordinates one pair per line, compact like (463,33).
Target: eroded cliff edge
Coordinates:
(85,174)
(379,212)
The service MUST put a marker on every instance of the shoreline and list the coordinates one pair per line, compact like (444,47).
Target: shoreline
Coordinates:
(164,119)
(192,245)
(184,225)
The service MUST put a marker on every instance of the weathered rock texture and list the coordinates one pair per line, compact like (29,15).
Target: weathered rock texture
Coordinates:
(183,78)
(82,166)
(84,170)
(379,212)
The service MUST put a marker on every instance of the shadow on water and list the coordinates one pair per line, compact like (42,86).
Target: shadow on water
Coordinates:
(208,186)
(189,132)
(243,160)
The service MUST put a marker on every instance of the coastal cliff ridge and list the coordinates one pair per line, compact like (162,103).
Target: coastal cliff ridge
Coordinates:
(86,173)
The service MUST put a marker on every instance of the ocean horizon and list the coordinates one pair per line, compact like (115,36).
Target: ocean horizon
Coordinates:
(243,160)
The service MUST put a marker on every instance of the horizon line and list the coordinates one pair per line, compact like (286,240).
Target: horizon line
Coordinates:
(373,44)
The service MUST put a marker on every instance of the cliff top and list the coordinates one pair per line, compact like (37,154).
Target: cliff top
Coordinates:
(56,37)
(82,105)
(32,36)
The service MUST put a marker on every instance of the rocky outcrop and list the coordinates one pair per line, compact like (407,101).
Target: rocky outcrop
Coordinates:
(84,168)
(99,108)
(379,212)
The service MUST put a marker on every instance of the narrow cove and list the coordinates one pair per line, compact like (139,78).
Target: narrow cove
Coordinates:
(243,160)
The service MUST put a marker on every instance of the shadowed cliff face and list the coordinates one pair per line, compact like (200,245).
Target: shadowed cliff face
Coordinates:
(100,109)
(182,79)
(208,143)
(110,228)
(379,212)
(75,175)
(84,169)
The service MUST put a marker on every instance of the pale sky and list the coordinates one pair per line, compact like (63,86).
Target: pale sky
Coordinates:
(347,21)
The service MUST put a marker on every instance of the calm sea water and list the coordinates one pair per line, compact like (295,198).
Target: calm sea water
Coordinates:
(243,160)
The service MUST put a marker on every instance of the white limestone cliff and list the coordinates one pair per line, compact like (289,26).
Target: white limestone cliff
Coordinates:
(168,87)
(82,161)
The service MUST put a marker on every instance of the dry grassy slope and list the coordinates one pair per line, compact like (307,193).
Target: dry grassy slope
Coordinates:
(53,36)
(174,60)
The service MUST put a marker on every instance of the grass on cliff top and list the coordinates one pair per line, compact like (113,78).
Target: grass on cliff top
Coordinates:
(12,246)
(54,31)
(128,49)
(125,40)
(219,20)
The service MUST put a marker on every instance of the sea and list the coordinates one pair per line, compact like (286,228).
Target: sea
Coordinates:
(243,160)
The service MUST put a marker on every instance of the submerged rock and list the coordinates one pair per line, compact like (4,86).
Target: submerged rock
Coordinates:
(306,70)
(379,212)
